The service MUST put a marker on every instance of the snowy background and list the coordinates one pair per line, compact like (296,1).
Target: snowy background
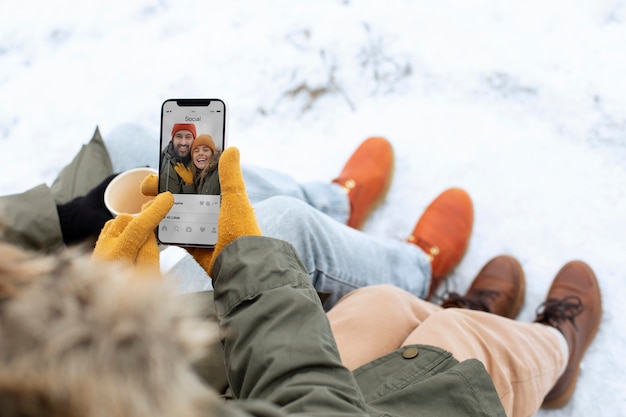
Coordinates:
(522,103)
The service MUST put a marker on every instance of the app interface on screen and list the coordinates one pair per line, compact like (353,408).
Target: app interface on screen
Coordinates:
(193,218)
(191,221)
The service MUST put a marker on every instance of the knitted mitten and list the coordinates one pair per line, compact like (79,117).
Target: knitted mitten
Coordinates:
(236,216)
(131,240)
(184,172)
(150,185)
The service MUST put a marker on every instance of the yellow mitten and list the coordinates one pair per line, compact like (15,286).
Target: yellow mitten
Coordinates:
(236,214)
(149,253)
(184,172)
(150,185)
(131,240)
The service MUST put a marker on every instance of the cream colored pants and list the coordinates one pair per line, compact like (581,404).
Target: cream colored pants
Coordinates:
(524,359)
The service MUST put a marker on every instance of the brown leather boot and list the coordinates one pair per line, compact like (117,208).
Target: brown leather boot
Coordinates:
(366,178)
(443,232)
(574,307)
(499,288)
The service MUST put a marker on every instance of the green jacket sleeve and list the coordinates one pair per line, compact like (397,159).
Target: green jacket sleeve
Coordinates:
(279,347)
(30,220)
(88,168)
(168,177)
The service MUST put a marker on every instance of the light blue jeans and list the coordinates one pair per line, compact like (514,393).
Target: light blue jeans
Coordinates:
(310,216)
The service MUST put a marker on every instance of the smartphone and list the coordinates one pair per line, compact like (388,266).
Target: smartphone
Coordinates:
(193,135)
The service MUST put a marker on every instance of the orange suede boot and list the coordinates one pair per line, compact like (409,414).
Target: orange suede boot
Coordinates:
(443,232)
(366,178)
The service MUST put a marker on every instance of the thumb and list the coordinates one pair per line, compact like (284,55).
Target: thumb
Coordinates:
(237,216)
(150,185)
(231,178)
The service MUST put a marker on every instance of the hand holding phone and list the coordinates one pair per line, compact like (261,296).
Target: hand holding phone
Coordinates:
(237,217)
(193,136)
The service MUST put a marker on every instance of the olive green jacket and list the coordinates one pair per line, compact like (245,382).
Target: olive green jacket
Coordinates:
(283,358)
(30,219)
(211,185)
(169,180)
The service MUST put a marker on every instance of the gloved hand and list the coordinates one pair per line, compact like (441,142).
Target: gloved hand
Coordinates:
(131,240)
(236,217)
(236,214)
(150,185)
(184,173)
(83,217)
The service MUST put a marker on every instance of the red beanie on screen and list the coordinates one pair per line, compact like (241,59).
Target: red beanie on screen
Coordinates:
(184,126)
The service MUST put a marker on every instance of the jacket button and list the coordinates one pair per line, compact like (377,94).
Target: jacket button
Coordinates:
(410,352)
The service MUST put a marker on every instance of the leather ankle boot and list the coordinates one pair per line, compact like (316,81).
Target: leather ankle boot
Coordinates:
(499,288)
(574,307)
(366,178)
(443,233)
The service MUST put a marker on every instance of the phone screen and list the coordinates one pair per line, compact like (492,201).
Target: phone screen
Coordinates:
(193,136)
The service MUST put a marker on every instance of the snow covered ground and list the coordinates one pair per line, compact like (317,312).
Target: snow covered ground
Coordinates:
(522,103)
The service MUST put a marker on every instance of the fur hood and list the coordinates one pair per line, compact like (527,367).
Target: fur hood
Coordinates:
(81,338)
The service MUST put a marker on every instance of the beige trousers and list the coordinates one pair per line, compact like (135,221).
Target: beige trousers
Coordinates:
(524,359)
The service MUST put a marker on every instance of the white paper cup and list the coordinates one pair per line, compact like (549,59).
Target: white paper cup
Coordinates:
(123,194)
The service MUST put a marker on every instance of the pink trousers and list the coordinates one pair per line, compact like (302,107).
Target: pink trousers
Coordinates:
(524,359)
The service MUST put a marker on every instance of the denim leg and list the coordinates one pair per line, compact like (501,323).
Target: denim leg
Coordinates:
(132,146)
(291,219)
(329,198)
(339,258)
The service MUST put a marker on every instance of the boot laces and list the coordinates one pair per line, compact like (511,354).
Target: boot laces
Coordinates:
(553,311)
(479,300)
